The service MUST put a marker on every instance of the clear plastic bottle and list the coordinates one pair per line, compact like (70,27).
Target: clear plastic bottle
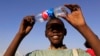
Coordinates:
(61,10)
(51,13)
(39,18)
(42,16)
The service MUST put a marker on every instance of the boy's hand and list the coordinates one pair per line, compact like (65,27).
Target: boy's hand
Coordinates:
(26,25)
(75,18)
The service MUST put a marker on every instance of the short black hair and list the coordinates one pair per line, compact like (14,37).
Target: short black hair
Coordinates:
(51,19)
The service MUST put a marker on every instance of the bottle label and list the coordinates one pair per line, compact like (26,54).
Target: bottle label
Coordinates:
(45,15)
(51,13)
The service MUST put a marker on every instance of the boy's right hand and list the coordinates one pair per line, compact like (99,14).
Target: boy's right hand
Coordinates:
(26,25)
(75,16)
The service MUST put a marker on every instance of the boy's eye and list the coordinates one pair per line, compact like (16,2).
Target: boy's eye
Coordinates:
(55,27)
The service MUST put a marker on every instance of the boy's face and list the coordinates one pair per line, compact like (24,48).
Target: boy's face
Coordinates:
(55,32)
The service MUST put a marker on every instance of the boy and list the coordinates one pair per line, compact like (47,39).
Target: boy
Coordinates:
(55,32)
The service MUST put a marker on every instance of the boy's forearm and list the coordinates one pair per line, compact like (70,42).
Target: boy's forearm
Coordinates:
(14,45)
(91,38)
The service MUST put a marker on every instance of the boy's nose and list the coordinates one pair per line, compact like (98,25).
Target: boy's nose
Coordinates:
(55,31)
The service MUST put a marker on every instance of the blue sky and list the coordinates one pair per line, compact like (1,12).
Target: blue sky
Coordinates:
(13,11)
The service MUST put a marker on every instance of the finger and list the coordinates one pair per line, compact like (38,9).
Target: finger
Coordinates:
(65,11)
(29,19)
(33,19)
(69,6)
(72,7)
(75,7)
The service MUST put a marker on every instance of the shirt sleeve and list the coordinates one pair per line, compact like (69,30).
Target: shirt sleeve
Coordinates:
(33,53)
(82,52)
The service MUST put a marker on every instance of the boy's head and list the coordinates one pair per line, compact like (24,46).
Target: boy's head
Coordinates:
(55,31)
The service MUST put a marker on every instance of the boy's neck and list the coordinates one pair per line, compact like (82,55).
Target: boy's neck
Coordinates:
(56,47)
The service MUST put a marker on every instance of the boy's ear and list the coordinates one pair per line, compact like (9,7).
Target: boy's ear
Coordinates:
(45,33)
(65,32)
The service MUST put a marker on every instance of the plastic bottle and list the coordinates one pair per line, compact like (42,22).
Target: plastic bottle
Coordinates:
(61,10)
(39,18)
(51,13)
(42,16)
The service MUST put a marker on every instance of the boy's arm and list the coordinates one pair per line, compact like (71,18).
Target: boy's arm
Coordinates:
(76,19)
(91,38)
(25,27)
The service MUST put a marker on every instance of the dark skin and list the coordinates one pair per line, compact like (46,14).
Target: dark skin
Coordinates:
(25,27)
(75,18)
(55,32)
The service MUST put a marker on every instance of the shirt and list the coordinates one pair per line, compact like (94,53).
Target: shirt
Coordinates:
(90,51)
(62,52)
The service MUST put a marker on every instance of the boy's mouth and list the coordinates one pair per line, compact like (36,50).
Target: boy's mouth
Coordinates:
(55,37)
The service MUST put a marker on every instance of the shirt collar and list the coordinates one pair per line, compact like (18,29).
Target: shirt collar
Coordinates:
(62,47)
